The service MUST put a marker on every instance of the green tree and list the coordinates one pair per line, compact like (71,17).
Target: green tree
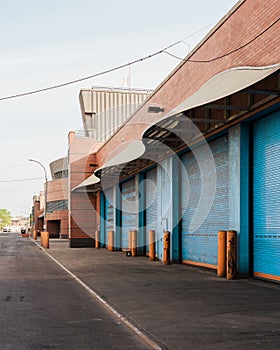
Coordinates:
(5,218)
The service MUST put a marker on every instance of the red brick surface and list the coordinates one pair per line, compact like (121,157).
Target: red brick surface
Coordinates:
(236,41)
(242,26)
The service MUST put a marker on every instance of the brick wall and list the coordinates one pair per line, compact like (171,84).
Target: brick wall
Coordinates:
(245,22)
(82,218)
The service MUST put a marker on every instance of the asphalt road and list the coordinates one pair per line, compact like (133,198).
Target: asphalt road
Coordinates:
(180,307)
(42,307)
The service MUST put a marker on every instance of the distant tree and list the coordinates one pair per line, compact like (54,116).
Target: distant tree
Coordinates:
(5,218)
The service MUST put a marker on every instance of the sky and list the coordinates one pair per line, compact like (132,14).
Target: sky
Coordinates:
(48,42)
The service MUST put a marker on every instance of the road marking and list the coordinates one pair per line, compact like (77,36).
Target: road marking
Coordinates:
(136,330)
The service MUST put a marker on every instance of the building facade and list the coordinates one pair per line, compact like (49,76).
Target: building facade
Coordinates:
(57,199)
(103,111)
(200,155)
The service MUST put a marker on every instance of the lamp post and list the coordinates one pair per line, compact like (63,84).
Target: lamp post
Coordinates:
(46,188)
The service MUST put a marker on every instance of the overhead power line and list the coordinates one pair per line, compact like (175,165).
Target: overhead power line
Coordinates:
(164,50)
(90,76)
(227,53)
(238,48)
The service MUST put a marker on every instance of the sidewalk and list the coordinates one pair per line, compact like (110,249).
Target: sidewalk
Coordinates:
(179,306)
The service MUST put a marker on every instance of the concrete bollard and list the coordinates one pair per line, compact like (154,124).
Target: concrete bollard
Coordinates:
(222,253)
(133,242)
(166,247)
(35,235)
(97,239)
(111,241)
(231,254)
(45,239)
(152,245)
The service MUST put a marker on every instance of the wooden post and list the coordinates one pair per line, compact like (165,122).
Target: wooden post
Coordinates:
(222,253)
(133,242)
(45,239)
(152,245)
(111,241)
(35,235)
(231,254)
(166,248)
(97,239)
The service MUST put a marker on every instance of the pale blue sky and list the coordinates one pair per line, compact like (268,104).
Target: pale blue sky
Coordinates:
(53,41)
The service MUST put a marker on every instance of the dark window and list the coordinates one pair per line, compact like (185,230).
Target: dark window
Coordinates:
(57,205)
(60,174)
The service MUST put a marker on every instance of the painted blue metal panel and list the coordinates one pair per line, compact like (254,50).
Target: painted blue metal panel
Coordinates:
(151,203)
(102,219)
(164,202)
(141,237)
(200,246)
(109,212)
(129,210)
(118,218)
(266,196)
(175,242)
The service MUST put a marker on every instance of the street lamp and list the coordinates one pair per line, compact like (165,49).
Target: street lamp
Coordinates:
(46,188)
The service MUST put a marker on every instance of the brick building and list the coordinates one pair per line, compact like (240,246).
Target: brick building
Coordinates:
(200,155)
(57,199)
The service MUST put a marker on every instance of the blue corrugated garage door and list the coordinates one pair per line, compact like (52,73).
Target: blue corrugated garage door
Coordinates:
(266,197)
(109,212)
(200,247)
(151,203)
(129,211)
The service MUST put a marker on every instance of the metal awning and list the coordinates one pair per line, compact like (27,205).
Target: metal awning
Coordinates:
(91,180)
(124,154)
(221,99)
(224,84)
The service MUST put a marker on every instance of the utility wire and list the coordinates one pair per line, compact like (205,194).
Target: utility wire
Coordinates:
(106,71)
(174,56)
(164,50)
(90,76)
(228,53)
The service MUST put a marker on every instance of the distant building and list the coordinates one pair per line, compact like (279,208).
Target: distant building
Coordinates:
(38,212)
(103,110)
